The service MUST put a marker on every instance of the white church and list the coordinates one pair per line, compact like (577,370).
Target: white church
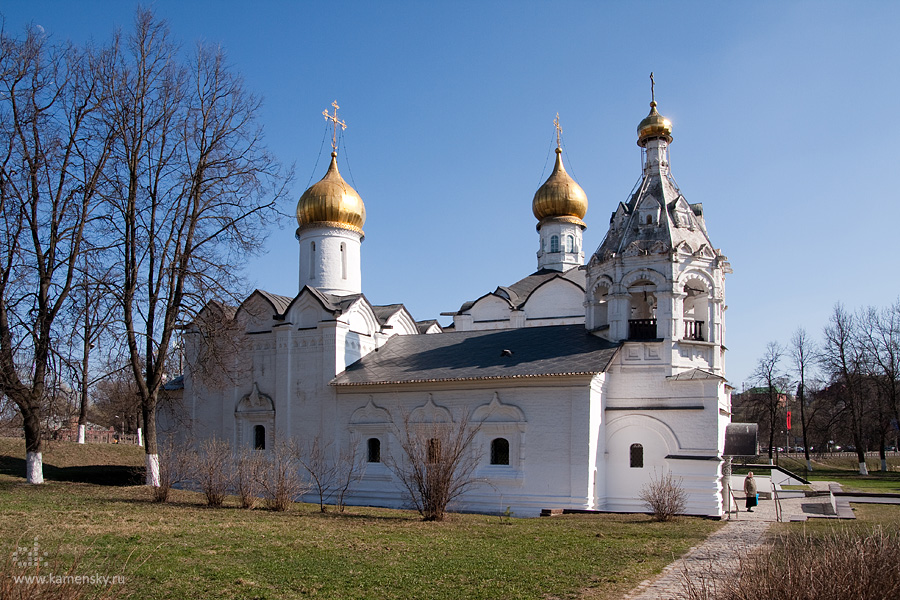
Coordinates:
(586,380)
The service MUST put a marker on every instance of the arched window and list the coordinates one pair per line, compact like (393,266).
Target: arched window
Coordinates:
(434,451)
(374,448)
(312,260)
(570,243)
(554,243)
(499,451)
(343,260)
(637,456)
(649,220)
(259,437)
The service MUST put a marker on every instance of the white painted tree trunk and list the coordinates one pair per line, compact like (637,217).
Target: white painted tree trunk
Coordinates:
(863,469)
(152,470)
(140,438)
(884,465)
(34,467)
(809,466)
(81,434)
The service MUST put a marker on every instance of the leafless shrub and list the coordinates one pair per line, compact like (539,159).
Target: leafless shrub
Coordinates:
(281,481)
(351,468)
(436,465)
(331,473)
(250,469)
(213,470)
(176,463)
(844,564)
(664,496)
(316,459)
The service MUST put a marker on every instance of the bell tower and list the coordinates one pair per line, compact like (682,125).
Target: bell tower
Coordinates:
(656,278)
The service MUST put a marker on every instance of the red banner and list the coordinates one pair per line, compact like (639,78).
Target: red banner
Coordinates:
(789,420)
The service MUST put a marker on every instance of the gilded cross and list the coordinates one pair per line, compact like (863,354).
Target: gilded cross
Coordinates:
(335,122)
(558,129)
(652,85)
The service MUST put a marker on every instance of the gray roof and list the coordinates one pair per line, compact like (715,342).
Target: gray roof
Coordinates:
(423,326)
(279,302)
(472,355)
(679,221)
(383,313)
(517,294)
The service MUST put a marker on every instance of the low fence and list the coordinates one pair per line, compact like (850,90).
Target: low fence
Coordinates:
(91,436)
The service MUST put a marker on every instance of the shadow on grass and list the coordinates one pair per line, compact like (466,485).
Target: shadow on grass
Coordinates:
(113,475)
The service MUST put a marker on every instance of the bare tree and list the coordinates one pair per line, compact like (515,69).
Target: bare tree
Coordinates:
(195,189)
(53,152)
(437,463)
(322,467)
(332,473)
(843,358)
(91,319)
(803,356)
(351,468)
(881,333)
(770,393)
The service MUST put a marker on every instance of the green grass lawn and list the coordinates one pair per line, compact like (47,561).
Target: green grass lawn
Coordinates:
(185,550)
(845,471)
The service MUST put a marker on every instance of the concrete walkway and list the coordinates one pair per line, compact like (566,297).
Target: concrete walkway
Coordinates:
(721,552)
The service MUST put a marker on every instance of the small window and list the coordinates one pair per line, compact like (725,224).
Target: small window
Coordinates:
(649,220)
(637,456)
(374,450)
(434,451)
(554,243)
(570,243)
(259,437)
(500,451)
(343,260)
(312,260)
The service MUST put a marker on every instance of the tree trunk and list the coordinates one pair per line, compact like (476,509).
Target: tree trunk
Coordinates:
(34,465)
(148,411)
(861,455)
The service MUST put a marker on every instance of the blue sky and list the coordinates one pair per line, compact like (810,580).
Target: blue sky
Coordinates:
(781,114)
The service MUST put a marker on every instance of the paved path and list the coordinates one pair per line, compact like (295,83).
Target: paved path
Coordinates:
(721,551)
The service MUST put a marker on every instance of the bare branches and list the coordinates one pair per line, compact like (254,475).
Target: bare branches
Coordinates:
(437,464)
(53,153)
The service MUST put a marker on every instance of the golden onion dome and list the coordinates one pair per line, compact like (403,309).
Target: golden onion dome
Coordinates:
(560,197)
(653,126)
(332,202)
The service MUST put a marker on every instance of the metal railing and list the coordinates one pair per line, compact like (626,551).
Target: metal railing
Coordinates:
(641,329)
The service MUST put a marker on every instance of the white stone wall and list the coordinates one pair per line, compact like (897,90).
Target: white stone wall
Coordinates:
(560,260)
(552,461)
(330,259)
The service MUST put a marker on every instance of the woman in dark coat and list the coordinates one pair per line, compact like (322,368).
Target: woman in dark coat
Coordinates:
(750,490)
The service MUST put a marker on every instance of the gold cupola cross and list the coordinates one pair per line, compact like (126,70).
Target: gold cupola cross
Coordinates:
(558,130)
(335,122)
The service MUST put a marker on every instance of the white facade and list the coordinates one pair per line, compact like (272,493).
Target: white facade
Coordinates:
(610,374)
(330,259)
